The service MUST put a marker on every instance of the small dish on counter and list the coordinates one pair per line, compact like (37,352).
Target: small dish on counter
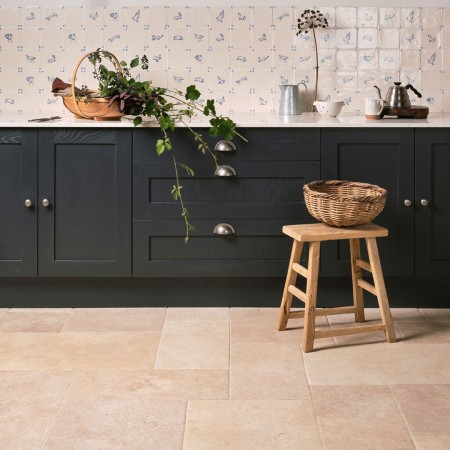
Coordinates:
(328,108)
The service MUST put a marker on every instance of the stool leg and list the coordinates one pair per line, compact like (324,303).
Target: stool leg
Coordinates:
(380,288)
(358,293)
(311,296)
(291,278)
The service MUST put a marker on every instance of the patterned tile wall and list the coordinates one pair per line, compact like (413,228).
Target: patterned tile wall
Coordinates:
(236,55)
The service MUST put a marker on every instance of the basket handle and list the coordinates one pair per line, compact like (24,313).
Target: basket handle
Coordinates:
(75,70)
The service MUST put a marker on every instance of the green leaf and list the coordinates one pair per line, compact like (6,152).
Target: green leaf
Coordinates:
(192,93)
(137,121)
(189,171)
(160,147)
(123,63)
(134,62)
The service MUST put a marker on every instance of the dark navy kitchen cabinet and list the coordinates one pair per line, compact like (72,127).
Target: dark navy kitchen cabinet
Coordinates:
(66,192)
(432,202)
(18,197)
(265,194)
(84,202)
(384,157)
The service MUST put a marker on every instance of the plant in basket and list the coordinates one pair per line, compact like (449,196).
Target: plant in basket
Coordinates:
(140,99)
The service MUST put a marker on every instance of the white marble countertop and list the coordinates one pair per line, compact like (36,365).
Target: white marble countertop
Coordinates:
(242,119)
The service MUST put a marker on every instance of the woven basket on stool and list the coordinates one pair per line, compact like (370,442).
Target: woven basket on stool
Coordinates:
(344,203)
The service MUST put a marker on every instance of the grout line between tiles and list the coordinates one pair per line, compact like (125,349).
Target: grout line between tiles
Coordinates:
(319,429)
(403,417)
(183,443)
(67,319)
(52,426)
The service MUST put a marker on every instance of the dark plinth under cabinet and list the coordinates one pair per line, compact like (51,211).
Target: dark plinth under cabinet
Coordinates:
(87,217)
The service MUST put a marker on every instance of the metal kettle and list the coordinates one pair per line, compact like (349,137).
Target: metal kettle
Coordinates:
(290,100)
(397,95)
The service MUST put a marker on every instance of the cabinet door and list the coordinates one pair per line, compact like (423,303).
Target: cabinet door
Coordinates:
(85,175)
(385,157)
(433,219)
(18,183)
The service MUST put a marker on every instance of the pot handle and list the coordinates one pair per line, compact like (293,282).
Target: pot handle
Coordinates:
(410,86)
(306,89)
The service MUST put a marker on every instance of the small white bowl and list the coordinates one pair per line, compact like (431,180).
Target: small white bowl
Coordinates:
(328,108)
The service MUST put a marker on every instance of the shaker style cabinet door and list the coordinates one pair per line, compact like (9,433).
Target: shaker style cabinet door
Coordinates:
(18,215)
(432,202)
(381,156)
(85,202)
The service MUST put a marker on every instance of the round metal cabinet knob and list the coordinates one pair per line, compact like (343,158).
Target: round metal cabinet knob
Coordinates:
(225,171)
(407,202)
(424,202)
(225,146)
(224,229)
(46,203)
(28,203)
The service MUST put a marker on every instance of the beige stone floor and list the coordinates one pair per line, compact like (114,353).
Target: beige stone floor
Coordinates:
(219,378)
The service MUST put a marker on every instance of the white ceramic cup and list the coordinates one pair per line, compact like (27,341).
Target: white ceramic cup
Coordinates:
(373,108)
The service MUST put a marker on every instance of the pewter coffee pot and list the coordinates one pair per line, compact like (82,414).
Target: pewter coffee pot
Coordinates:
(397,95)
(290,100)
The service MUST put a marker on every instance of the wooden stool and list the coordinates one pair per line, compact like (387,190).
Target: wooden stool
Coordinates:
(314,234)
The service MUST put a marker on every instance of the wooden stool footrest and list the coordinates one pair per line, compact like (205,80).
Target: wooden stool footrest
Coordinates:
(364,265)
(349,330)
(324,312)
(298,293)
(303,271)
(367,286)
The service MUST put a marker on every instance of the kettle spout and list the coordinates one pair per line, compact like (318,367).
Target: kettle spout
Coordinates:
(379,92)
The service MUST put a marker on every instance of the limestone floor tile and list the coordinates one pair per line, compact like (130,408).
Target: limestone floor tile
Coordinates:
(425,332)
(144,384)
(3,311)
(267,371)
(398,363)
(29,403)
(426,409)
(251,424)
(356,417)
(120,424)
(258,325)
(116,320)
(34,351)
(34,320)
(436,314)
(198,314)
(194,345)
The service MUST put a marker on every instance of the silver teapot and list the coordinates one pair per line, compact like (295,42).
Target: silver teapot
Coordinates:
(397,95)
(290,100)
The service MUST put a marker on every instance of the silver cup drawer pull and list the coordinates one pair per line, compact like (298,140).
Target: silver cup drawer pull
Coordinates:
(225,146)
(46,203)
(224,229)
(28,203)
(225,171)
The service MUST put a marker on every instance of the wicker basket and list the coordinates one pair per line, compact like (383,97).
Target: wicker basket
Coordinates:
(344,203)
(97,108)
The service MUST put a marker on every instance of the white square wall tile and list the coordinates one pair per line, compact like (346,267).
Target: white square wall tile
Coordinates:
(410,17)
(241,59)
(431,17)
(346,80)
(285,16)
(262,16)
(94,16)
(241,16)
(220,58)
(219,17)
(367,37)
(93,38)
(30,16)
(199,59)
(346,59)
(346,37)
(220,80)
(431,59)
(241,38)
(285,38)
(329,13)
(327,59)
(178,58)
(388,17)
(158,37)
(114,38)
(198,37)
(157,16)
(114,16)
(178,37)
(367,17)
(431,38)
(366,80)
(389,59)
(178,16)
(263,59)
(389,38)
(73,38)
(135,16)
(327,38)
(410,59)
(433,99)
(30,37)
(220,38)
(262,38)
(72,16)
(368,59)
(199,16)
(284,58)
(346,17)
(51,16)
(10,16)
(305,59)
(410,38)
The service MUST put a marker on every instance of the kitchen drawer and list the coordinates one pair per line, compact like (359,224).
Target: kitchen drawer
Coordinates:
(264,144)
(261,189)
(258,249)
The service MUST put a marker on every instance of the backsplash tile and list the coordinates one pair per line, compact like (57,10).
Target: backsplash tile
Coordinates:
(237,55)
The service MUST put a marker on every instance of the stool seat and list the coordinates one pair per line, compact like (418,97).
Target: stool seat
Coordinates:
(323,232)
(314,234)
